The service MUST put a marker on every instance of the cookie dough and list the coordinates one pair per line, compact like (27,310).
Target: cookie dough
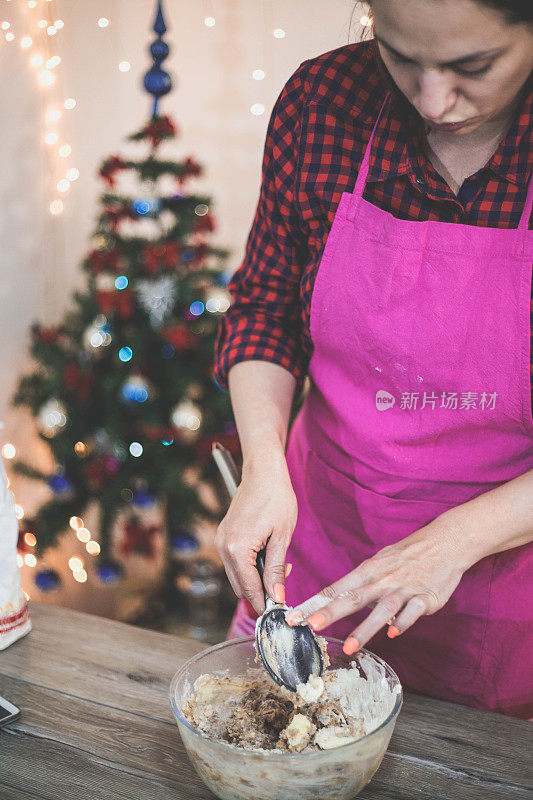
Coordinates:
(251,711)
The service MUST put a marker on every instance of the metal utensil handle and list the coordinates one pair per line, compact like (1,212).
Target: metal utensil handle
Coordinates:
(230,473)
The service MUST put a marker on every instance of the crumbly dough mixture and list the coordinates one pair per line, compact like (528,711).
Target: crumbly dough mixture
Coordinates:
(251,711)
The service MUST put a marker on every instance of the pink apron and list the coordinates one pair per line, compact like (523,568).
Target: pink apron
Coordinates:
(419,401)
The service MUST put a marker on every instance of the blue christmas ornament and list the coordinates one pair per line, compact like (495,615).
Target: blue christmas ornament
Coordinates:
(147,206)
(47,580)
(188,254)
(157,82)
(135,391)
(142,499)
(182,543)
(109,571)
(59,483)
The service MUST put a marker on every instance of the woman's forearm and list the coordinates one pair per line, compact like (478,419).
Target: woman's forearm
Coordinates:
(261,395)
(496,520)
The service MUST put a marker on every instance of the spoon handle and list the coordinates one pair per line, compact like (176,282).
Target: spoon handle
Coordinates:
(230,473)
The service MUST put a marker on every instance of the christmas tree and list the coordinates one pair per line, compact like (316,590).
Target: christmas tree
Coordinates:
(123,391)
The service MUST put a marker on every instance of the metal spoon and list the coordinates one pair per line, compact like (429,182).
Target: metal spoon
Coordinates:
(289,654)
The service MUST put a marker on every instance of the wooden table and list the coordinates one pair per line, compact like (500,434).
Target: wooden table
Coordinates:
(96,725)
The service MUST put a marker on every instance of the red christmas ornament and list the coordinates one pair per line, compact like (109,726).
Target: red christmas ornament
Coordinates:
(180,337)
(105,260)
(161,256)
(115,214)
(99,472)
(110,167)
(191,169)
(49,335)
(119,302)
(77,379)
(138,538)
(158,129)
(205,223)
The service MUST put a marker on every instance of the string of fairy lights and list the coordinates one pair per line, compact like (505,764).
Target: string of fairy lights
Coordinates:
(38,29)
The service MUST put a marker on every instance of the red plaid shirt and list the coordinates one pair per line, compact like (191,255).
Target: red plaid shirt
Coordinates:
(317,135)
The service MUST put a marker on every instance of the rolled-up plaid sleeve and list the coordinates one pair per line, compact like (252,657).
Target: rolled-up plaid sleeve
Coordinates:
(264,320)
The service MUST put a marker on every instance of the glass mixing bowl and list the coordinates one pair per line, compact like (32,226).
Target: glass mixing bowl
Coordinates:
(234,773)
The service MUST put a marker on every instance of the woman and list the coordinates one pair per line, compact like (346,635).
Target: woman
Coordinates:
(390,259)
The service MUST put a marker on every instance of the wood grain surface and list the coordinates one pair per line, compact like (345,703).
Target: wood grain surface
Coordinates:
(96,725)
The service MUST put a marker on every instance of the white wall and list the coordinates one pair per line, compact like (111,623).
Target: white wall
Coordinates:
(211,99)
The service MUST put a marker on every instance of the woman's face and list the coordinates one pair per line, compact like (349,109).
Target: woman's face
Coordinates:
(460,64)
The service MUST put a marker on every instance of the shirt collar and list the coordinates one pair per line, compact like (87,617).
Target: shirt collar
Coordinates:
(397,147)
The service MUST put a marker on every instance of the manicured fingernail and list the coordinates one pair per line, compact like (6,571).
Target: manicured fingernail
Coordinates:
(279,593)
(294,618)
(350,645)
(288,568)
(316,621)
(393,631)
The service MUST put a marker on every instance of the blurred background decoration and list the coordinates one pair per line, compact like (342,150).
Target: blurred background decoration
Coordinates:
(117,495)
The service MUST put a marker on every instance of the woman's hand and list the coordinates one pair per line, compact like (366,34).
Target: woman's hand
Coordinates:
(263,509)
(403,581)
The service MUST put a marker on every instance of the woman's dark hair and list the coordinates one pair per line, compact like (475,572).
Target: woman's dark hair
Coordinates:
(515,11)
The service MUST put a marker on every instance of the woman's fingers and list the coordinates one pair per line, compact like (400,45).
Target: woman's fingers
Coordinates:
(414,609)
(345,590)
(387,608)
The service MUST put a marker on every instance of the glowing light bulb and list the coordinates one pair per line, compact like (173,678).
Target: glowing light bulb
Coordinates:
(259,74)
(279,33)
(65,150)
(46,78)
(80,576)
(75,523)
(30,539)
(27,41)
(136,449)
(9,450)
(51,138)
(73,174)
(51,30)
(56,207)
(103,22)
(92,547)
(83,534)
(59,24)
(53,62)
(210,22)
(53,115)
(19,512)
(75,563)
(30,559)
(6,25)
(124,66)
(10,36)
(36,60)
(80,448)
(42,23)
(63,185)
(257,109)
(32,3)
(69,103)
(20,561)
(365,21)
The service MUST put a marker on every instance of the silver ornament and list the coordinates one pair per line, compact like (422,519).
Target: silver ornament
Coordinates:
(217,300)
(187,418)
(51,418)
(157,297)
(97,336)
